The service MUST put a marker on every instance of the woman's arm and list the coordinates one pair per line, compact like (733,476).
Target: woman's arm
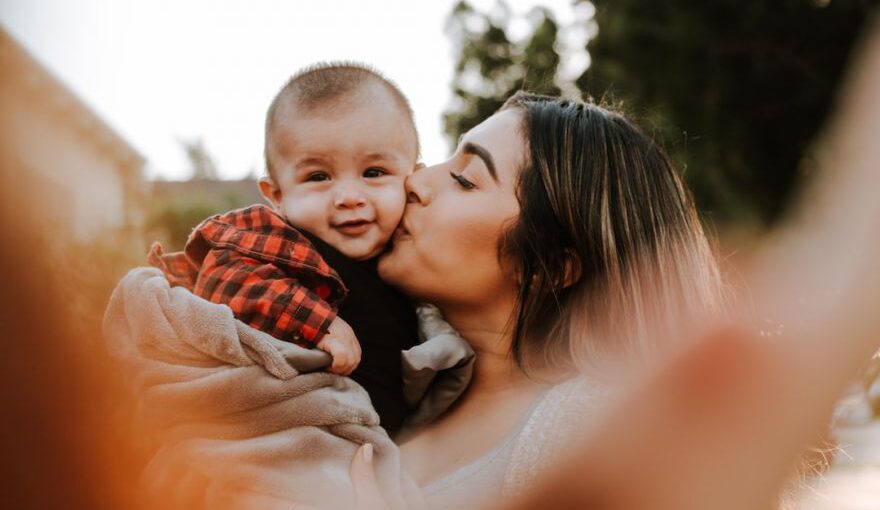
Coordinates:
(723,425)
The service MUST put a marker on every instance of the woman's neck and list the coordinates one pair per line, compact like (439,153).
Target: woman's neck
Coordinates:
(495,371)
(495,374)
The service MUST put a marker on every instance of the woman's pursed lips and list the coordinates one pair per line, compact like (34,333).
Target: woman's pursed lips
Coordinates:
(401,232)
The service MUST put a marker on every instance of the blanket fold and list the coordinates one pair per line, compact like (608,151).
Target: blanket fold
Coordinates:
(239,418)
(436,371)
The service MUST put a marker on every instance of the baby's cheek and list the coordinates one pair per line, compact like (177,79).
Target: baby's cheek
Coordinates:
(305,211)
(390,202)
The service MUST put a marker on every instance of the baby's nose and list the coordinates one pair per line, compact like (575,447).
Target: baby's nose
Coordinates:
(349,196)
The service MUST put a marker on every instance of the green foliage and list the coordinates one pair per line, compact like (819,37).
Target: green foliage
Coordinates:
(201,163)
(736,91)
(175,208)
(178,207)
(172,221)
(491,67)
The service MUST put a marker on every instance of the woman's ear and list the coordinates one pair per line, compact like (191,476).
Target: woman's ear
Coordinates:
(270,191)
(572,271)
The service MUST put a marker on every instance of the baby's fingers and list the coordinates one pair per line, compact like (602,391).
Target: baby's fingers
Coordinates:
(339,365)
(343,363)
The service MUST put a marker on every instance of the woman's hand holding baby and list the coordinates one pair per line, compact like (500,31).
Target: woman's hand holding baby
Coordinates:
(342,344)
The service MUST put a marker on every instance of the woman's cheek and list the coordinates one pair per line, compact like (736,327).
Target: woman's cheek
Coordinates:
(467,244)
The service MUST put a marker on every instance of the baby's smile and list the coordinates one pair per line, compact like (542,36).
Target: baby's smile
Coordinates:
(354,227)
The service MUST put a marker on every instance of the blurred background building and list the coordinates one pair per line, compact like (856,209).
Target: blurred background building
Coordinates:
(85,179)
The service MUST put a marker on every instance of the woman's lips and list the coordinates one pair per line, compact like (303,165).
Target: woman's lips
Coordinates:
(401,232)
(354,227)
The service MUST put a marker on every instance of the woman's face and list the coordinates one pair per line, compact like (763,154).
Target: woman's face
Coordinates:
(445,251)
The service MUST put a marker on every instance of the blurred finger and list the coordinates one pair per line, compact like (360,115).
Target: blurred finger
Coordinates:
(363,478)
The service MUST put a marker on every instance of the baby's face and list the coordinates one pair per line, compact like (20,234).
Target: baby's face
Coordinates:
(340,173)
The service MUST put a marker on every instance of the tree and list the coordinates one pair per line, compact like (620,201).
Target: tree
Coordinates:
(201,163)
(491,67)
(736,90)
(176,207)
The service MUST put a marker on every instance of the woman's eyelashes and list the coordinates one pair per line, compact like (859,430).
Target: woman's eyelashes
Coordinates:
(462,181)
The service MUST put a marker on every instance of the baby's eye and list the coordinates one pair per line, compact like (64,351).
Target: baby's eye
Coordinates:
(317,177)
(373,172)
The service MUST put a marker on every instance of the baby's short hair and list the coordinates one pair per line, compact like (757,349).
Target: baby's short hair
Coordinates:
(318,85)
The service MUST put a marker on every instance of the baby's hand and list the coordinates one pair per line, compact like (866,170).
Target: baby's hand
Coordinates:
(342,344)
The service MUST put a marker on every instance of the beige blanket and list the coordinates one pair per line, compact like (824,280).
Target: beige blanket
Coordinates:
(237,418)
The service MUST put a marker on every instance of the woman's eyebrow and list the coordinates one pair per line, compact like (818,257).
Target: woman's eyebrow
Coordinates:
(482,153)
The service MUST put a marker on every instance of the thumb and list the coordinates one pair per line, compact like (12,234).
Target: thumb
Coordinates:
(363,478)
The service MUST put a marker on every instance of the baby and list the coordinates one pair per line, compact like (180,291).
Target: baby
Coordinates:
(340,140)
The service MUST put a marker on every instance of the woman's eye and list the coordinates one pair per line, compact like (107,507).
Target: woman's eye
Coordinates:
(464,183)
(372,173)
(317,177)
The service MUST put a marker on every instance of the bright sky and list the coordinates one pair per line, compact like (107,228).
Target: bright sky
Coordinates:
(163,70)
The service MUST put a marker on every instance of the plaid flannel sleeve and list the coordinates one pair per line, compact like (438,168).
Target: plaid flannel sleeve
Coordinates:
(178,269)
(265,297)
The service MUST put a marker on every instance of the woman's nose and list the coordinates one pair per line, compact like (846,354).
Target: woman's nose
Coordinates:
(417,186)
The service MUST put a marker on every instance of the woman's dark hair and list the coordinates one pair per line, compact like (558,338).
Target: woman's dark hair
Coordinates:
(608,246)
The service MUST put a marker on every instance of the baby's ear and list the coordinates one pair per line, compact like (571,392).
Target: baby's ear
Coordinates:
(270,191)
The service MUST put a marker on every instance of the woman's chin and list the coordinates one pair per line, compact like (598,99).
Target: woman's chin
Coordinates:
(401,269)
(389,265)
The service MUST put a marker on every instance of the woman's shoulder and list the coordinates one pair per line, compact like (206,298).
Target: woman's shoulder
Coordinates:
(566,409)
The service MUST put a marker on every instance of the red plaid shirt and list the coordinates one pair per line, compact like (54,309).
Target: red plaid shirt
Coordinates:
(265,270)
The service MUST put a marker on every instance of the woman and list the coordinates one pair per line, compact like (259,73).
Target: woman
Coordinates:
(735,411)
(557,233)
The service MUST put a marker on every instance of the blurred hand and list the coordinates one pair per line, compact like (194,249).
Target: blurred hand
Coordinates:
(723,425)
(342,345)
(363,478)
